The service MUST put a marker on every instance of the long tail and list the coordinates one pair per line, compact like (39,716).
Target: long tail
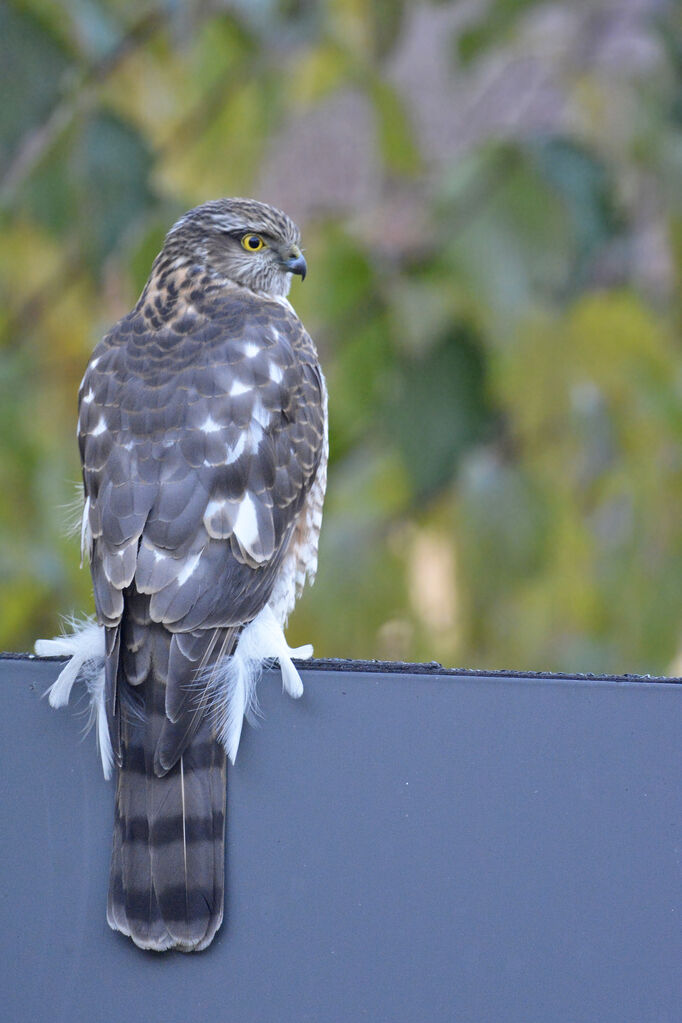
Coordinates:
(166,887)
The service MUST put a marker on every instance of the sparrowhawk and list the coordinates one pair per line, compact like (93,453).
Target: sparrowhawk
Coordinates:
(203,439)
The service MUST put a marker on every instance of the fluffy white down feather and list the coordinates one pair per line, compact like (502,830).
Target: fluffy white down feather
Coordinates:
(85,646)
(232,681)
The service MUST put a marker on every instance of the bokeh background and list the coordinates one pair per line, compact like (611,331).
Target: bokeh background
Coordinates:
(492,215)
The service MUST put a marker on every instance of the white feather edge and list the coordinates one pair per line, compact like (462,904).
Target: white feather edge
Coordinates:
(232,681)
(84,645)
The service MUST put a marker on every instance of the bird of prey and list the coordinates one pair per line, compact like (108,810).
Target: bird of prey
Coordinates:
(203,438)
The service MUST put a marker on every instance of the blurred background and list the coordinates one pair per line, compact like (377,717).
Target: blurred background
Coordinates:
(490,195)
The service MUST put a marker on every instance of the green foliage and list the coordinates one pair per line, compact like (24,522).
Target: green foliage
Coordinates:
(583,185)
(504,368)
(33,65)
(396,141)
(492,25)
(439,409)
(93,186)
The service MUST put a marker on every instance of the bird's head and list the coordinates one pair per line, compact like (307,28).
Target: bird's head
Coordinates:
(248,242)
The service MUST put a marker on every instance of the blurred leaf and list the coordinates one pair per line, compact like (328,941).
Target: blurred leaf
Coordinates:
(490,28)
(227,153)
(583,183)
(317,73)
(440,409)
(508,514)
(358,383)
(421,309)
(387,17)
(19,603)
(33,66)
(505,233)
(361,581)
(342,294)
(94,184)
(343,279)
(93,25)
(396,137)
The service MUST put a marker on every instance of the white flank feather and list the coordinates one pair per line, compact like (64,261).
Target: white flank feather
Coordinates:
(84,645)
(233,680)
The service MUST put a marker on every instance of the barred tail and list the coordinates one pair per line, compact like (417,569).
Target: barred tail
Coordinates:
(166,886)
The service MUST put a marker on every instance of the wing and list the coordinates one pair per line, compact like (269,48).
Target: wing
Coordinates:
(200,439)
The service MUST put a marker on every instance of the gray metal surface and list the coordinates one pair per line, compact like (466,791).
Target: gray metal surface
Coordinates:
(400,848)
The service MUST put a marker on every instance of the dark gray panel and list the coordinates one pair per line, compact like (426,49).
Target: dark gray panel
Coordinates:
(400,848)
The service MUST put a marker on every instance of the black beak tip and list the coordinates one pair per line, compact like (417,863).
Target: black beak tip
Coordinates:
(297,265)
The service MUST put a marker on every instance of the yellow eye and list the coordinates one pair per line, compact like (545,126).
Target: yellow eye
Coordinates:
(253,242)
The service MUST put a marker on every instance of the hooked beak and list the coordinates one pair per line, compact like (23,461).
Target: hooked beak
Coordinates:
(296,264)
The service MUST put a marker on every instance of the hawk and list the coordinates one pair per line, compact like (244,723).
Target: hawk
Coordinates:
(203,439)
